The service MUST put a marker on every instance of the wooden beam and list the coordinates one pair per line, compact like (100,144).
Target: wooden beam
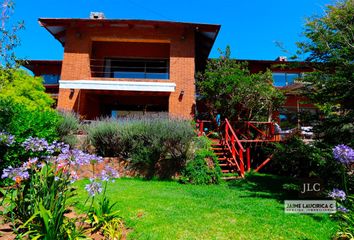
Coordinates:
(138,40)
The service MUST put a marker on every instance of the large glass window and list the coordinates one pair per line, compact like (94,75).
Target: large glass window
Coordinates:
(51,78)
(282,79)
(137,68)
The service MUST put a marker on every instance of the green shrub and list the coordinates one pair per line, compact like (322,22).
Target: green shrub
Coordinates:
(154,147)
(204,167)
(296,159)
(68,126)
(22,122)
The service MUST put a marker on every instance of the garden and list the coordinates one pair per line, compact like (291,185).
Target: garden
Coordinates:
(155,178)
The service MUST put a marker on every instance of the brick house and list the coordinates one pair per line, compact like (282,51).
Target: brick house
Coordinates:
(132,67)
(122,67)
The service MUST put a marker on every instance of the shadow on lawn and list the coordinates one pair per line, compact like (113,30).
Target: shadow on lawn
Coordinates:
(266,186)
(256,185)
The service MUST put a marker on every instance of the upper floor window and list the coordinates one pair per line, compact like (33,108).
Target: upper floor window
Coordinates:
(50,78)
(133,68)
(282,79)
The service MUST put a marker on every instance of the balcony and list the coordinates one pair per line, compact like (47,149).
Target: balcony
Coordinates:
(138,69)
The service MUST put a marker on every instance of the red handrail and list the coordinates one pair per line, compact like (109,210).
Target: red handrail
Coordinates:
(249,124)
(237,154)
(268,133)
(234,134)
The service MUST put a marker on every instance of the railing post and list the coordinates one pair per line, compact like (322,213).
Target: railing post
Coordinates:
(242,166)
(272,131)
(248,153)
(233,148)
(226,132)
(201,128)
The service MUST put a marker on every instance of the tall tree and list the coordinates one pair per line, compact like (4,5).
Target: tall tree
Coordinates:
(9,39)
(228,88)
(330,49)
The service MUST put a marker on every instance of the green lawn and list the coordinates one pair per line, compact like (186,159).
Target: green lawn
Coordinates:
(251,209)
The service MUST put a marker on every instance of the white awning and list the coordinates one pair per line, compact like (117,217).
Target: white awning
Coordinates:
(118,85)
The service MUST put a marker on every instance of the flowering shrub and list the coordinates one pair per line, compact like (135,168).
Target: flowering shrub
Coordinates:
(344,214)
(337,194)
(42,187)
(345,202)
(343,154)
(6,139)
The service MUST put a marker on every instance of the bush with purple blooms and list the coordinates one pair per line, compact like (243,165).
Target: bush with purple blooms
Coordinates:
(345,201)
(344,154)
(345,213)
(39,190)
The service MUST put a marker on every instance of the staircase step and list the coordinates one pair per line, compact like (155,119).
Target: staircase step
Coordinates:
(225,171)
(223,164)
(222,158)
(219,153)
(215,144)
(231,178)
(217,149)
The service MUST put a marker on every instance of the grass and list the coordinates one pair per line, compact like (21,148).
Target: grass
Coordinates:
(243,209)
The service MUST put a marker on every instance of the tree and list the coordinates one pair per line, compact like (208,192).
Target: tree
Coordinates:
(228,88)
(22,88)
(8,35)
(330,50)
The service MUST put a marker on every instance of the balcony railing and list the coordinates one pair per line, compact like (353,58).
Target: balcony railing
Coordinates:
(130,68)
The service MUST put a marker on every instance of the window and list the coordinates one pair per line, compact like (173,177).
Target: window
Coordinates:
(137,68)
(281,79)
(51,78)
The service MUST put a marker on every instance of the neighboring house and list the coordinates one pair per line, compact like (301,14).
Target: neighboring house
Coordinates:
(120,68)
(286,76)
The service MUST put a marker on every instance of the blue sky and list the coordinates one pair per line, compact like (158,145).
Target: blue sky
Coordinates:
(250,27)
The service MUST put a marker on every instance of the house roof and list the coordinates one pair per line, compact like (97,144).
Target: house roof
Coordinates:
(204,38)
(33,64)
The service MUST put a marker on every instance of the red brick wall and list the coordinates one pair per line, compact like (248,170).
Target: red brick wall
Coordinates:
(77,54)
(130,49)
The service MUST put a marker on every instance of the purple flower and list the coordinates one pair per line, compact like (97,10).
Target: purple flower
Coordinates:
(93,188)
(337,194)
(35,144)
(78,157)
(108,173)
(343,154)
(58,147)
(30,162)
(342,209)
(16,174)
(6,139)
(74,176)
